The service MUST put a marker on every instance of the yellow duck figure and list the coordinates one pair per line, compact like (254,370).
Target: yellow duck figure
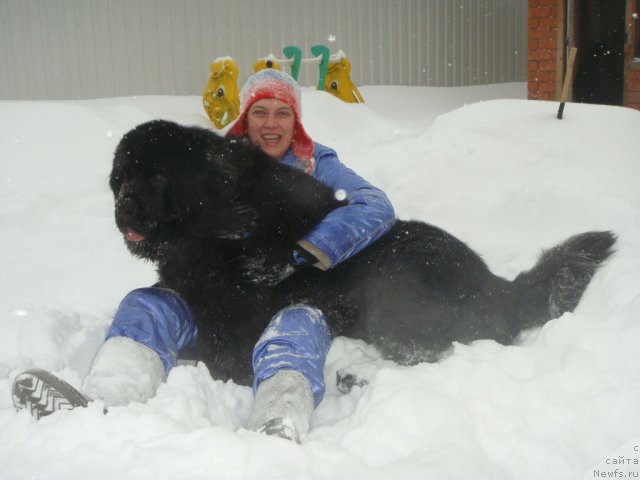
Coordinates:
(267,62)
(338,80)
(221,97)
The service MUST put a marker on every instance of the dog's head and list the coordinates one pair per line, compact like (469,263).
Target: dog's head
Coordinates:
(163,176)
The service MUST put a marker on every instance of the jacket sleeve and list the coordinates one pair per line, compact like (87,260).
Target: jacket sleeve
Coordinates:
(349,229)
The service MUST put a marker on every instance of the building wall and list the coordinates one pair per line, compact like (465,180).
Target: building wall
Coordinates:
(547,20)
(544,57)
(67,49)
(632,88)
(632,57)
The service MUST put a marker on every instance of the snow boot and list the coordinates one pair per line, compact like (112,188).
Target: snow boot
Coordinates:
(124,371)
(282,406)
(42,393)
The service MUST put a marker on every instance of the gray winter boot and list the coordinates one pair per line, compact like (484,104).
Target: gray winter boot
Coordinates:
(42,393)
(282,406)
(124,371)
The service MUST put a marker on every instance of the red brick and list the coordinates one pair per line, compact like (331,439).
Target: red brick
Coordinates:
(633,85)
(539,12)
(549,44)
(540,55)
(548,66)
(537,76)
(548,87)
(543,34)
(632,97)
(632,74)
(551,23)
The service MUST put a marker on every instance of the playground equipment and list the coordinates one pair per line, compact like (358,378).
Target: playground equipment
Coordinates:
(221,95)
(338,79)
(267,62)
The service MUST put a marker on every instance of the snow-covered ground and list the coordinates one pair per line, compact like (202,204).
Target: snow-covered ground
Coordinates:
(500,172)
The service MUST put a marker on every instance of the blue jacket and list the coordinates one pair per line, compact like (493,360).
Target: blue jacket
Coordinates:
(349,229)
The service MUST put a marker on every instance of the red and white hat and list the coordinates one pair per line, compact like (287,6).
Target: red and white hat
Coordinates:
(270,83)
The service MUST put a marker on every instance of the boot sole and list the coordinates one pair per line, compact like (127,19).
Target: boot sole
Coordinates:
(42,394)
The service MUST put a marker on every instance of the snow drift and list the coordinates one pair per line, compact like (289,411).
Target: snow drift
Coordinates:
(503,175)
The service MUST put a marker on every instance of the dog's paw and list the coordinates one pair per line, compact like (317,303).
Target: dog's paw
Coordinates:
(345,381)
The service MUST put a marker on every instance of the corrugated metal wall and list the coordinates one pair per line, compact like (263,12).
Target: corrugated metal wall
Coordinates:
(67,49)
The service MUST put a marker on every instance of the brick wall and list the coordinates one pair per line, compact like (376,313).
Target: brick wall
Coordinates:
(543,50)
(632,88)
(545,61)
(632,69)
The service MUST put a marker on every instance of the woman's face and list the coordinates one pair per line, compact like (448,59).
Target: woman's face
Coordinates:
(270,125)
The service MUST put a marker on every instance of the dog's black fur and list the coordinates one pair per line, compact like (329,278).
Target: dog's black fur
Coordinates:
(207,207)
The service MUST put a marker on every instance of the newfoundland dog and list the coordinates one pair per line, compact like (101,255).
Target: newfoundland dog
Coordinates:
(205,209)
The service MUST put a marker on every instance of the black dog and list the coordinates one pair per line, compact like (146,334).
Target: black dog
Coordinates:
(205,209)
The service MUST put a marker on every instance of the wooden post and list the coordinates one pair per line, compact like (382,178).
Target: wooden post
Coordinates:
(568,79)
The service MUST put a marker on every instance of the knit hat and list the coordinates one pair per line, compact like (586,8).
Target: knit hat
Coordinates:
(269,83)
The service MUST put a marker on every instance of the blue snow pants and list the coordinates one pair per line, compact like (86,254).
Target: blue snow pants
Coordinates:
(297,338)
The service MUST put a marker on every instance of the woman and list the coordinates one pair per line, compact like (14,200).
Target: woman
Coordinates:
(153,326)
(270,118)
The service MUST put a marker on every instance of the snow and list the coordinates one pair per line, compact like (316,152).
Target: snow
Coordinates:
(500,172)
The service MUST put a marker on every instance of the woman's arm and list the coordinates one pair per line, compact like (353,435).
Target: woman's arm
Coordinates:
(349,229)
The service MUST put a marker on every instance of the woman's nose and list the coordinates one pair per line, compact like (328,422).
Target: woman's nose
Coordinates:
(270,120)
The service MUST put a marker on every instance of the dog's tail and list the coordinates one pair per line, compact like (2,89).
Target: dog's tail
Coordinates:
(556,283)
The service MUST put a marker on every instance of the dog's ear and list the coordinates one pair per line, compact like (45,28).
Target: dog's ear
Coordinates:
(222,174)
(202,169)
(220,164)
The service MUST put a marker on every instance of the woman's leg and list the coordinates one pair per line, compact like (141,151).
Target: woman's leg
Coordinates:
(150,329)
(288,363)
(159,319)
